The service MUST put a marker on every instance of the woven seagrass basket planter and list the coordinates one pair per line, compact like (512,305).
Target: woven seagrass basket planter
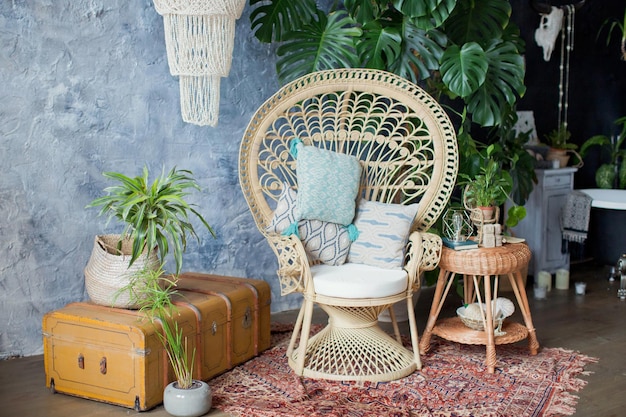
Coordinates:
(107,271)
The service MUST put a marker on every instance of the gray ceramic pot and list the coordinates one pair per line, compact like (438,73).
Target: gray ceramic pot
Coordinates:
(192,402)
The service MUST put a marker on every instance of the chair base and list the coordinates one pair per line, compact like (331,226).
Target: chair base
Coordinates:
(352,347)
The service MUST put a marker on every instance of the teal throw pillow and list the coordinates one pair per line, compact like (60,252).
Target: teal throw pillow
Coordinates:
(328,184)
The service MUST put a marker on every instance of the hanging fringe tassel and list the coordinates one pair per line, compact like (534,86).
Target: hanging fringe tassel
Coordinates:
(353,232)
(200,99)
(292,230)
(293,148)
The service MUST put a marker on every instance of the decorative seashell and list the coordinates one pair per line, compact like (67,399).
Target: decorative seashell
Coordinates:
(473,312)
(503,307)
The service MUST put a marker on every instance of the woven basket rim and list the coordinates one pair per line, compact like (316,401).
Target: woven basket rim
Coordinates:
(473,323)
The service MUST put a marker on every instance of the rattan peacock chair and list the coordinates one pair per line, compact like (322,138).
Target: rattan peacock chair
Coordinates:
(407,152)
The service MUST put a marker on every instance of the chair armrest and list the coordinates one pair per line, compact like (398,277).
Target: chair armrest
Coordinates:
(423,254)
(293,271)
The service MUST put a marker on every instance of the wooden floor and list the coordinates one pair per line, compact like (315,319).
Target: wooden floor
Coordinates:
(594,324)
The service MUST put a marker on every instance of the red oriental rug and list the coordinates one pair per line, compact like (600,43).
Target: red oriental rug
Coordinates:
(453,382)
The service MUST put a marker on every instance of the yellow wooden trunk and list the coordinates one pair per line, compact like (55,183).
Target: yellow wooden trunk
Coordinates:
(248,309)
(115,355)
(103,353)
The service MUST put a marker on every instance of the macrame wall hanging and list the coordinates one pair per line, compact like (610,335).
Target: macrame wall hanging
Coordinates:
(199,40)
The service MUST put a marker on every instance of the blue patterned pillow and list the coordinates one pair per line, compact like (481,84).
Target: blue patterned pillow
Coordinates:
(328,183)
(383,233)
(323,241)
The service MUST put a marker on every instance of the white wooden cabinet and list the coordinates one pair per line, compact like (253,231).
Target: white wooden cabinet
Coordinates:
(542,225)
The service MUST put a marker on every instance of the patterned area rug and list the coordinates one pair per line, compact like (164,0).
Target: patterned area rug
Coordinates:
(453,382)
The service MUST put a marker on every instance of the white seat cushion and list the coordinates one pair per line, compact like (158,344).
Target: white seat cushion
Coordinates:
(358,281)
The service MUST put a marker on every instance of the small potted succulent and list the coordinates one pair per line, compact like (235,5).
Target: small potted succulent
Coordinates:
(157,221)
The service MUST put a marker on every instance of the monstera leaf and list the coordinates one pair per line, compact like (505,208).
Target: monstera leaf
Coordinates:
(380,46)
(327,43)
(274,20)
(503,84)
(427,14)
(478,21)
(365,11)
(421,52)
(463,69)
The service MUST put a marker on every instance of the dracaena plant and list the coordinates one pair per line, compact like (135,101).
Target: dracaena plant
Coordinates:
(155,215)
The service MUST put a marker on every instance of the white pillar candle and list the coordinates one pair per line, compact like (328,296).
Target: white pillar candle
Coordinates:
(544,279)
(562,279)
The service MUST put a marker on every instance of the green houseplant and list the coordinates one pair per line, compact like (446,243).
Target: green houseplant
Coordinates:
(156,218)
(152,291)
(610,174)
(467,53)
(464,49)
(559,138)
(155,215)
(618,26)
(560,145)
(489,188)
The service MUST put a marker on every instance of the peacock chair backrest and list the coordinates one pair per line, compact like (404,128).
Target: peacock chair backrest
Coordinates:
(402,136)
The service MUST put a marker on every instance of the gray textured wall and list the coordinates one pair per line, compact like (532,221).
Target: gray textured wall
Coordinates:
(86,89)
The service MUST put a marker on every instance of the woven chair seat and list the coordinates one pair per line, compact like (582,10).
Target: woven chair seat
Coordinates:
(407,154)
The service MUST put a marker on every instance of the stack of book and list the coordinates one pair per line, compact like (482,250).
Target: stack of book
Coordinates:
(460,245)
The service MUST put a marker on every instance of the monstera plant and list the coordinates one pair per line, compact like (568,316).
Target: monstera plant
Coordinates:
(465,49)
(465,53)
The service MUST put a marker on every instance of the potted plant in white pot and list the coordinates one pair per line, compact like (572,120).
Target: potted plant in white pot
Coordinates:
(156,219)
(152,290)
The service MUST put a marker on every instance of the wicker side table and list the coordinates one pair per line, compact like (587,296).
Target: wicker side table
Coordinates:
(485,264)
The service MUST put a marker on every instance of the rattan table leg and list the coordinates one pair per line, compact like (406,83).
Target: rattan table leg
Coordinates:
(468,289)
(424,344)
(517,283)
(490,359)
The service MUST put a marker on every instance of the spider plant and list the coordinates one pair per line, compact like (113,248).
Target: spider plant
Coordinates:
(155,215)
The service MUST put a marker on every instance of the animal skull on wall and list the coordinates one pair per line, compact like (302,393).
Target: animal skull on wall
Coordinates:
(548,31)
